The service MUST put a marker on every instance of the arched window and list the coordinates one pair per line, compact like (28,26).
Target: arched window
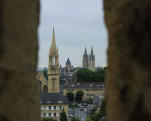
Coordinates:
(45,89)
(40,86)
(53,84)
(53,60)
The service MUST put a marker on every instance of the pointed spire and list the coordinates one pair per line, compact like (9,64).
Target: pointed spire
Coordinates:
(68,62)
(85,50)
(53,39)
(91,50)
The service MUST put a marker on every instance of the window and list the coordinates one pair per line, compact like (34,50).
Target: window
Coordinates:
(49,107)
(53,60)
(60,101)
(60,107)
(49,114)
(53,83)
(44,114)
(54,107)
(48,102)
(54,114)
(45,89)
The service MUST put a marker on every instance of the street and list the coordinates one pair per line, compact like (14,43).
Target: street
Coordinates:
(81,115)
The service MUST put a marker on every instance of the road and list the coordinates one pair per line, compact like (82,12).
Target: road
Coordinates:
(82,115)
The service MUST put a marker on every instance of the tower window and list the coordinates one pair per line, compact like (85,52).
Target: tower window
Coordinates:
(53,83)
(53,60)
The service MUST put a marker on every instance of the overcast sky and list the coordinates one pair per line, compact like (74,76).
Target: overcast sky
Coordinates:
(77,23)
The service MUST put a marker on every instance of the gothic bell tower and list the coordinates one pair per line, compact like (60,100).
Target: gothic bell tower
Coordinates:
(53,67)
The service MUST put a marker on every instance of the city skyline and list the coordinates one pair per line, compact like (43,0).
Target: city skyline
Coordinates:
(85,27)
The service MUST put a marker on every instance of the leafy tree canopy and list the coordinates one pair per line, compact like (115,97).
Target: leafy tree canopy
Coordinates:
(74,119)
(63,116)
(79,96)
(96,116)
(70,96)
(89,119)
(103,108)
(47,119)
(45,73)
(85,75)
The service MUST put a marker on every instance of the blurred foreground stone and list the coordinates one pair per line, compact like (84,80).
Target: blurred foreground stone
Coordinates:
(128,83)
(19,21)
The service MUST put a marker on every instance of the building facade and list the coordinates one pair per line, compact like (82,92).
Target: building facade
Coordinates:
(51,100)
(89,60)
(90,89)
(53,67)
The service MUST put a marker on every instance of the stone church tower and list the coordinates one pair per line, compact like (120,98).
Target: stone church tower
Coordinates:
(85,59)
(89,60)
(53,68)
(92,60)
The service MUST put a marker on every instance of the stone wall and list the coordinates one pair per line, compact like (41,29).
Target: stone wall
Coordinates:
(18,60)
(129,60)
(128,85)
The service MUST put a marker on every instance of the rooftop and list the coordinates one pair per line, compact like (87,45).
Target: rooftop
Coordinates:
(53,98)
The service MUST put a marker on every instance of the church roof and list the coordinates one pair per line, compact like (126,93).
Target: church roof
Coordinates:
(53,98)
(68,62)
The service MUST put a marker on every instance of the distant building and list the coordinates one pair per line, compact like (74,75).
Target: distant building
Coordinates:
(52,102)
(89,60)
(90,89)
(68,71)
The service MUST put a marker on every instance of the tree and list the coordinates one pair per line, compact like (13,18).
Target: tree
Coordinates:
(47,119)
(85,75)
(102,112)
(74,119)
(45,73)
(89,119)
(63,116)
(79,96)
(103,108)
(70,96)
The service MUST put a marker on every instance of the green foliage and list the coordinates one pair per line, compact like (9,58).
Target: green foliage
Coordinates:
(47,119)
(70,96)
(45,73)
(89,119)
(103,108)
(85,75)
(63,116)
(79,96)
(96,116)
(74,119)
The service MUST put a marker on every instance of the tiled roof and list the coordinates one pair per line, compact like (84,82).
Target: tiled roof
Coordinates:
(53,98)
(85,85)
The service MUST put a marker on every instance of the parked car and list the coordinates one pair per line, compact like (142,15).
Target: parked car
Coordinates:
(81,109)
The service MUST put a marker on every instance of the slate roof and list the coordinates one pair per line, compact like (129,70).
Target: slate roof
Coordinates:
(53,98)
(85,85)
(68,62)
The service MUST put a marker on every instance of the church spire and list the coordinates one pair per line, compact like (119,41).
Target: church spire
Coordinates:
(85,51)
(92,51)
(53,39)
